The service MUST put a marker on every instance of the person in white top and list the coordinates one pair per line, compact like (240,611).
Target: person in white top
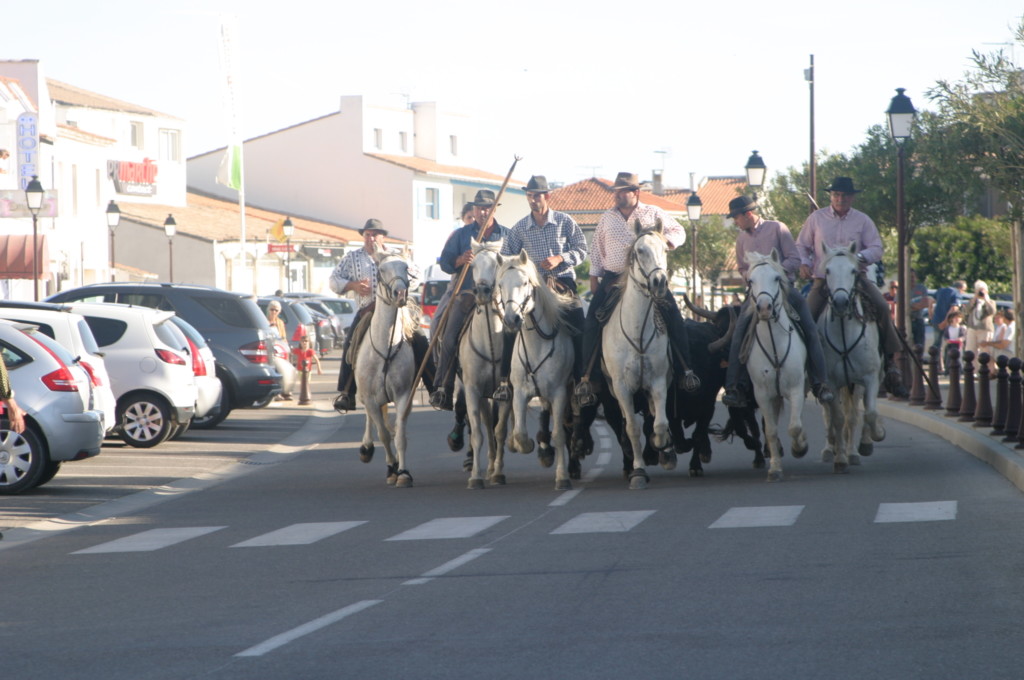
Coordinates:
(1001,343)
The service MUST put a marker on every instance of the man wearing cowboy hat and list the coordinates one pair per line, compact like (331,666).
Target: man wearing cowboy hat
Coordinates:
(556,244)
(356,276)
(837,226)
(613,239)
(457,253)
(763,236)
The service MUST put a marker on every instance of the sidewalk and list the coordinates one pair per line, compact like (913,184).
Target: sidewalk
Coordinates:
(977,441)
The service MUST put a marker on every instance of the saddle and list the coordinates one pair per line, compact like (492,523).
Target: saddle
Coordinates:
(611,302)
(358,333)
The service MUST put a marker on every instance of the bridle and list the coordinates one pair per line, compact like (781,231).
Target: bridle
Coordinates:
(644,283)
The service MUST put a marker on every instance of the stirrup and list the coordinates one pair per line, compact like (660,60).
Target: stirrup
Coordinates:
(823,393)
(503,392)
(689,381)
(440,400)
(343,402)
(584,394)
(893,383)
(733,398)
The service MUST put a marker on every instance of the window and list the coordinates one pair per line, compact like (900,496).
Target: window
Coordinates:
(170,145)
(137,140)
(403,141)
(431,209)
(378,138)
(454,141)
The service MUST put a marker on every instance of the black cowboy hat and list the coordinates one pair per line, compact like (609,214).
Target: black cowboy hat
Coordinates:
(741,204)
(843,184)
(538,184)
(484,198)
(626,180)
(373,225)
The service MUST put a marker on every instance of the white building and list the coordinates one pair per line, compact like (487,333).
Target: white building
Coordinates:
(407,165)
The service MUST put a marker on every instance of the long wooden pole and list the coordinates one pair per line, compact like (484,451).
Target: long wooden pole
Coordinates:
(485,231)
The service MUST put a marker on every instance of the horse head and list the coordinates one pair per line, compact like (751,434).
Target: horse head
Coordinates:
(485,269)
(517,279)
(648,259)
(841,269)
(768,283)
(392,278)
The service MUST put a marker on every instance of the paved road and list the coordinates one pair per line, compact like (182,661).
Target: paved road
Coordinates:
(301,563)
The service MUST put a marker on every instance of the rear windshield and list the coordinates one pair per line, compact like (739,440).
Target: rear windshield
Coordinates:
(154,300)
(301,313)
(106,331)
(171,336)
(339,306)
(189,330)
(88,339)
(58,349)
(232,311)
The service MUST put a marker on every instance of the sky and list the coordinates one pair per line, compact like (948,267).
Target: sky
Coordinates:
(577,89)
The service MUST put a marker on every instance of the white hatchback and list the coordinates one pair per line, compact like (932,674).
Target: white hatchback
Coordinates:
(151,376)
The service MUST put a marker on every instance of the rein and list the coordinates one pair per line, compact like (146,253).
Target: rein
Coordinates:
(773,357)
(387,297)
(849,315)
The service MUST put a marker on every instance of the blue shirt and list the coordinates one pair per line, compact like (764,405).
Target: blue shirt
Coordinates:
(459,242)
(559,235)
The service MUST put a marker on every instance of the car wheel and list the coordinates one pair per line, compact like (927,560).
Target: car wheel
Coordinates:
(23,460)
(216,416)
(50,471)
(145,421)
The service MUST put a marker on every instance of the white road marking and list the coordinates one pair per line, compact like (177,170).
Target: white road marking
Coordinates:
(447,567)
(307,628)
(449,527)
(768,516)
(564,498)
(298,534)
(935,511)
(147,541)
(603,522)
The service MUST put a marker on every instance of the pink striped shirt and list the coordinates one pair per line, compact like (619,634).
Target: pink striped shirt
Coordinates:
(615,234)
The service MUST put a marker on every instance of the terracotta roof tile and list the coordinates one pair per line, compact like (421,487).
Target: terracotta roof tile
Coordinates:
(591,197)
(63,93)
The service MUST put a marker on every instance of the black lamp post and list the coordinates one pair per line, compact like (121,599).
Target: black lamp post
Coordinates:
(693,208)
(756,171)
(34,197)
(901,119)
(113,218)
(288,229)
(170,228)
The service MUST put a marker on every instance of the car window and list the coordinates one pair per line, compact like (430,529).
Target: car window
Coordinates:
(13,357)
(106,331)
(227,309)
(44,327)
(95,297)
(88,339)
(189,331)
(59,350)
(301,313)
(154,300)
(171,336)
(339,306)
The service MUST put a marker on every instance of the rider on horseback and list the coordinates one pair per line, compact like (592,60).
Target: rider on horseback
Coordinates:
(835,226)
(762,236)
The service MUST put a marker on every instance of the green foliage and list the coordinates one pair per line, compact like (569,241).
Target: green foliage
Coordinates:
(715,242)
(583,276)
(970,248)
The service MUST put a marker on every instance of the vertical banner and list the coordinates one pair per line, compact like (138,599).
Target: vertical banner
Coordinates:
(28,148)
(232,168)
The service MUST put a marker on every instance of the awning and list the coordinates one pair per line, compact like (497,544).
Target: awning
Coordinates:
(16,253)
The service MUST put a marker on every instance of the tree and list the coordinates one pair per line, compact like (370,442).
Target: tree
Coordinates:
(970,248)
(715,243)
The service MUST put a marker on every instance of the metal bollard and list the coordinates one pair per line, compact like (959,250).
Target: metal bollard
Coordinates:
(1013,409)
(1002,385)
(933,402)
(954,398)
(983,411)
(970,401)
(917,377)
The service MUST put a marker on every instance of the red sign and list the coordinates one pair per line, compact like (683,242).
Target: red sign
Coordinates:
(279,248)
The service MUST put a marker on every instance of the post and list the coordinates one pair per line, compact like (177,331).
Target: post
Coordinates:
(693,258)
(170,260)
(902,295)
(812,164)
(288,266)
(35,254)
(112,277)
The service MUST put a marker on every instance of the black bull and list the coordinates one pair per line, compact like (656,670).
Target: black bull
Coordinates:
(709,351)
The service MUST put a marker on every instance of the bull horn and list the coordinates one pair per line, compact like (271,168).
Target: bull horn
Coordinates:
(699,311)
(717,345)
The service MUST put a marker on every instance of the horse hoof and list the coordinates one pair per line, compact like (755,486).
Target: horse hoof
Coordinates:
(562,485)
(404,480)
(575,469)
(827,456)
(366,453)
(759,463)
(800,450)
(705,457)
(866,448)
(668,460)
(456,440)
(878,435)
(840,468)
(475,484)
(546,457)
(854,459)
(525,445)
(638,479)
(775,476)
(699,472)
(497,480)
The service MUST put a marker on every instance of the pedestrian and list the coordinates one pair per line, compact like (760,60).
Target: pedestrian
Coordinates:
(1003,332)
(920,302)
(762,236)
(305,357)
(277,324)
(953,334)
(556,244)
(837,225)
(457,254)
(613,239)
(978,315)
(945,299)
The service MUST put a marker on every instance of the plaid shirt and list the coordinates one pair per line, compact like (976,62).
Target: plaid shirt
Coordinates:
(356,266)
(559,235)
(615,235)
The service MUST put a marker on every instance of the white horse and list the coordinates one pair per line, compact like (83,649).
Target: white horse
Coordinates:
(635,347)
(777,357)
(385,366)
(480,357)
(543,355)
(850,343)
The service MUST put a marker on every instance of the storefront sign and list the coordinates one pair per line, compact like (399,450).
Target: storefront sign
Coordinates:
(280,248)
(28,148)
(136,179)
(14,203)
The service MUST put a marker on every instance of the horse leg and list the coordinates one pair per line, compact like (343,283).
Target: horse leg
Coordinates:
(559,406)
(772,407)
(504,411)
(380,421)
(662,439)
(403,478)
(366,448)
(521,442)
(797,436)
(828,453)
(545,454)
(496,464)
(872,421)
(638,478)
(840,427)
(475,414)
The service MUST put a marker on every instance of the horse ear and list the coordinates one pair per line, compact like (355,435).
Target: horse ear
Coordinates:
(852,248)
(659,227)
(637,227)
(775,255)
(523,257)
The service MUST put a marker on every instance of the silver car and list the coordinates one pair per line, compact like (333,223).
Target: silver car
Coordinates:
(56,395)
(204,367)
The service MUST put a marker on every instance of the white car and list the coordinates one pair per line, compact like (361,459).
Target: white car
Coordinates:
(56,396)
(71,331)
(204,368)
(150,373)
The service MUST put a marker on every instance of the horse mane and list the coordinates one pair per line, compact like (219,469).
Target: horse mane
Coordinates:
(631,257)
(755,258)
(550,305)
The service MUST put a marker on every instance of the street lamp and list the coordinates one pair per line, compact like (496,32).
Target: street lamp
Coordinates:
(288,229)
(756,170)
(34,197)
(901,118)
(693,208)
(170,228)
(113,218)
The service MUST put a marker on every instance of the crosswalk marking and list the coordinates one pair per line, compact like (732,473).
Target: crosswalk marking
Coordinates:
(146,541)
(934,511)
(449,527)
(299,534)
(767,516)
(603,522)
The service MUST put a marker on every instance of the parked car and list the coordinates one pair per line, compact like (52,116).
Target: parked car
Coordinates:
(298,320)
(55,394)
(323,321)
(71,331)
(204,368)
(149,371)
(231,323)
(325,317)
(342,310)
